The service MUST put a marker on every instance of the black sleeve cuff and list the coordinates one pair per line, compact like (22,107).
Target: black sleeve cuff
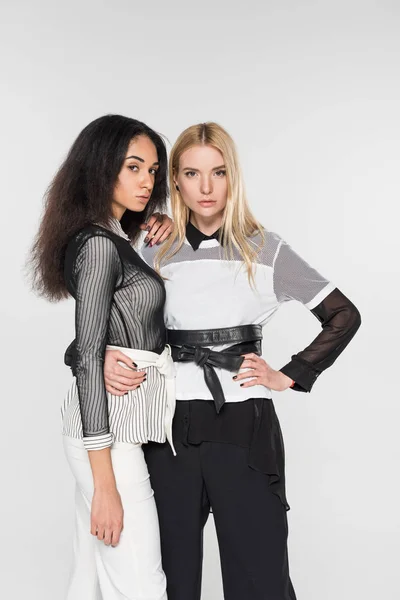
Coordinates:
(303,374)
(70,356)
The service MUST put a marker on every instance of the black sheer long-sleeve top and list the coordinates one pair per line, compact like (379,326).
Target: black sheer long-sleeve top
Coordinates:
(119,301)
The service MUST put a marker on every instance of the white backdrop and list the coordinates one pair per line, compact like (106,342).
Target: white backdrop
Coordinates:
(310,91)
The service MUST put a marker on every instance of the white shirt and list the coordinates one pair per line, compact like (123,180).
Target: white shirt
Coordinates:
(205,291)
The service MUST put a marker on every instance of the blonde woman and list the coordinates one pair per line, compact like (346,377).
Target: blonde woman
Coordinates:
(225,278)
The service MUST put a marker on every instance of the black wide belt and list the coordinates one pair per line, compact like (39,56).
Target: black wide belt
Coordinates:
(189,346)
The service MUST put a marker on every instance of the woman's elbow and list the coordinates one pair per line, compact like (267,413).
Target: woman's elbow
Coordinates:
(354,317)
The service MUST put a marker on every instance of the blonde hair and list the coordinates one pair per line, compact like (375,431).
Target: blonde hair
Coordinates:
(238,223)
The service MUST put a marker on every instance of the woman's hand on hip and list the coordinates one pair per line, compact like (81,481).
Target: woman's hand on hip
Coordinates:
(258,372)
(120,379)
(107,515)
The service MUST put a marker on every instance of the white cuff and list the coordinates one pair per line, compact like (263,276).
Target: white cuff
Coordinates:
(321,296)
(98,442)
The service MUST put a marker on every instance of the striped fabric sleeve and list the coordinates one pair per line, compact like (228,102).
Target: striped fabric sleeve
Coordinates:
(97,268)
(294,279)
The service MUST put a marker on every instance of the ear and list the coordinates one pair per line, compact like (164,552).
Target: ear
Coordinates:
(175,181)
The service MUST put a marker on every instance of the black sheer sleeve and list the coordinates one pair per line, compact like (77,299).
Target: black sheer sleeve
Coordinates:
(295,279)
(96,274)
(340,320)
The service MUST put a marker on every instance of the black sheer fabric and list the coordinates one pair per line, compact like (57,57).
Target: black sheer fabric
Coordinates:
(119,301)
(340,320)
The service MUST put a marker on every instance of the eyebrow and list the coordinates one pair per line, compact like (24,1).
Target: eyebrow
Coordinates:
(197,170)
(140,159)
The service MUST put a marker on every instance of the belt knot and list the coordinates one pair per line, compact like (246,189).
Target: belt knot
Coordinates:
(201,356)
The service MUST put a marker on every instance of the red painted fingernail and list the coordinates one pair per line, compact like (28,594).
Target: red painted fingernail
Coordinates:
(146,240)
(242,384)
(235,377)
(134,364)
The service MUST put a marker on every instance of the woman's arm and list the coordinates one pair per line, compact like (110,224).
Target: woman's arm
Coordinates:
(295,279)
(340,320)
(97,272)
(107,515)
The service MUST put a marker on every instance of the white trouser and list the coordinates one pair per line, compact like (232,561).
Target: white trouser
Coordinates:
(132,570)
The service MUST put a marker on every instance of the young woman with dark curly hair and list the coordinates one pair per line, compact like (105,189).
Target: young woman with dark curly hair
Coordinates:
(113,179)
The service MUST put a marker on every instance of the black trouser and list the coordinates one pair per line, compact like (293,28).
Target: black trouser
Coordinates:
(250,521)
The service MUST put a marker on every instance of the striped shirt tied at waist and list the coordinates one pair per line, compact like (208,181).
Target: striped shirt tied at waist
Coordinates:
(191,346)
(139,416)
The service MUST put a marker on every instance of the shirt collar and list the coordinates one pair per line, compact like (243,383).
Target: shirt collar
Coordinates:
(115,226)
(194,236)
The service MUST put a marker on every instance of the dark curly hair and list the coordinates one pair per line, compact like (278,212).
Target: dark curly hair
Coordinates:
(82,191)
